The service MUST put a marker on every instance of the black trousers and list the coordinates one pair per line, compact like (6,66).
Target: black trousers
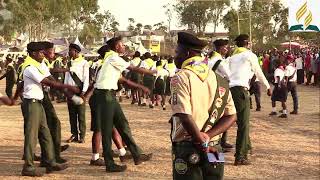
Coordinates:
(292,88)
(256,90)
(77,117)
(300,76)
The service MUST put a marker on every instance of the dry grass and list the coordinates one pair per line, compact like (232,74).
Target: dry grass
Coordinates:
(283,148)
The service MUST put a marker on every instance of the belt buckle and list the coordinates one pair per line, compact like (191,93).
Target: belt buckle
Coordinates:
(33,100)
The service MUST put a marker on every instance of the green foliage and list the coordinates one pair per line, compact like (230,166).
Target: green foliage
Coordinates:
(197,14)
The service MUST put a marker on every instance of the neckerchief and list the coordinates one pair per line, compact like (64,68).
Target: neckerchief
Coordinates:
(216,54)
(239,50)
(107,55)
(171,66)
(197,65)
(30,62)
(78,59)
(149,62)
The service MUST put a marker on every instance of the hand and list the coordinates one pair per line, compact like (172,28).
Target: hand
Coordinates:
(74,89)
(145,89)
(205,137)
(83,96)
(269,93)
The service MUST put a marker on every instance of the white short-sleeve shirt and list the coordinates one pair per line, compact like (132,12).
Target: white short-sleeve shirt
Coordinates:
(32,87)
(278,72)
(291,70)
(110,72)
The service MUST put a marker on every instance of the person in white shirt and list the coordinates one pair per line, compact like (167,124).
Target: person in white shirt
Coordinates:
(300,69)
(242,63)
(291,78)
(219,64)
(35,123)
(280,91)
(78,76)
(107,112)
(137,78)
(148,80)
(172,69)
(160,84)
(217,61)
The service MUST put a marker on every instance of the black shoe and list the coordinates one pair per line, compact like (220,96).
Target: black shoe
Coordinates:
(142,158)
(64,147)
(43,164)
(251,107)
(258,109)
(81,141)
(56,167)
(120,99)
(98,162)
(242,162)
(116,168)
(151,106)
(226,146)
(273,113)
(125,157)
(73,138)
(33,173)
(283,116)
(143,104)
(60,160)
(294,112)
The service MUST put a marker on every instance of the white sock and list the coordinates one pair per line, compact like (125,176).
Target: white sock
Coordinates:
(122,151)
(274,109)
(284,111)
(95,156)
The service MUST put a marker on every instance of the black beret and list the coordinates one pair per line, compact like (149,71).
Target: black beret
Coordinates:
(47,44)
(74,46)
(101,51)
(35,46)
(242,37)
(220,42)
(111,42)
(190,41)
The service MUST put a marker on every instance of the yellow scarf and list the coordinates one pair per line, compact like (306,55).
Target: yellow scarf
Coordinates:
(136,61)
(149,62)
(78,59)
(107,55)
(48,64)
(239,50)
(29,62)
(197,65)
(171,66)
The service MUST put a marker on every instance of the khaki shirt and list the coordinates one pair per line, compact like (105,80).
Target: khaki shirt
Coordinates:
(194,97)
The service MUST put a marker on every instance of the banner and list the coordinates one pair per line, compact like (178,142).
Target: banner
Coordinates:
(304,15)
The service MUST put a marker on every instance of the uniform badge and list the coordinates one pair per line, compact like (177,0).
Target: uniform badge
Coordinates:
(194,158)
(222,91)
(218,102)
(174,99)
(180,166)
(214,116)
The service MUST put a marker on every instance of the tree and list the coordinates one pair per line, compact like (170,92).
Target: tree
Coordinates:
(160,27)
(169,13)
(197,14)
(148,27)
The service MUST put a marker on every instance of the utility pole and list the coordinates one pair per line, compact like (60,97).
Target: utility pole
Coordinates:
(250,34)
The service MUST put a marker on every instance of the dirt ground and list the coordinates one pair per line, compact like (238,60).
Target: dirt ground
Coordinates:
(283,148)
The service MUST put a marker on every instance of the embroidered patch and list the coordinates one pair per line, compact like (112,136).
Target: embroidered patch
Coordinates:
(174,99)
(222,91)
(180,166)
(214,116)
(218,102)
(174,80)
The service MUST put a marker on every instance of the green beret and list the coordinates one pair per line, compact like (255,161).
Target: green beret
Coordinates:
(35,46)
(190,41)
(75,46)
(242,37)
(220,42)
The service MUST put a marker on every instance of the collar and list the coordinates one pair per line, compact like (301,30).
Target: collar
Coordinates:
(239,50)
(216,54)
(78,59)
(198,65)
(29,61)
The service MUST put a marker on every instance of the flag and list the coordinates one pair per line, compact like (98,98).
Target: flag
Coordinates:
(304,15)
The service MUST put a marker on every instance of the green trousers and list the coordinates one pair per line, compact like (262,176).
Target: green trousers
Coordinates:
(110,114)
(241,100)
(77,115)
(182,169)
(9,88)
(53,124)
(35,126)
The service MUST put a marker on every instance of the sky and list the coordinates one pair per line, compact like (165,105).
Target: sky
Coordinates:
(145,12)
